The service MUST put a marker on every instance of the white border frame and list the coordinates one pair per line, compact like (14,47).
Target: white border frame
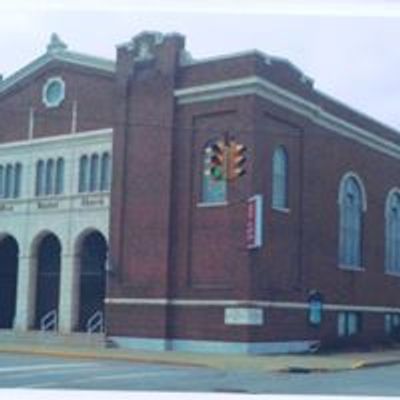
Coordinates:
(49,82)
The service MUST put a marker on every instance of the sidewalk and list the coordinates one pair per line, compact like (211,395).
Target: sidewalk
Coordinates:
(260,363)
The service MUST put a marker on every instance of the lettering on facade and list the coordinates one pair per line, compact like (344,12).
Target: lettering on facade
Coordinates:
(244,316)
(91,201)
(46,204)
(6,207)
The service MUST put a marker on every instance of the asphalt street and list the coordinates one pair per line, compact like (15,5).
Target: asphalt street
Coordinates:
(38,372)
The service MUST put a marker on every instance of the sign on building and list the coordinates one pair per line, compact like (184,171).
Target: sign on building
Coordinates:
(254,225)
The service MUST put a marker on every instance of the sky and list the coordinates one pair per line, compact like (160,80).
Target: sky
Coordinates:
(348,47)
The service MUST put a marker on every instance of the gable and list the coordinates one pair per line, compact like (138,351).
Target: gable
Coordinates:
(86,103)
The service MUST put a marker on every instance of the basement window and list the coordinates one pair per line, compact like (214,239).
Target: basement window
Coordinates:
(392,323)
(349,323)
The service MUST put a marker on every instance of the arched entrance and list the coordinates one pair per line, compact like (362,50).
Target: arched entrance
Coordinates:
(48,277)
(92,255)
(8,280)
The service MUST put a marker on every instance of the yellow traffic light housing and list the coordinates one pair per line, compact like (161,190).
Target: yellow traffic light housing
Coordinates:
(217,164)
(236,160)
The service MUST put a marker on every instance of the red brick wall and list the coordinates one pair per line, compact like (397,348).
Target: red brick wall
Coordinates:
(92,90)
(168,246)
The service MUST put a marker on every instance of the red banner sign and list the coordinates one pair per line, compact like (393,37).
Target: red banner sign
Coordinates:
(254,222)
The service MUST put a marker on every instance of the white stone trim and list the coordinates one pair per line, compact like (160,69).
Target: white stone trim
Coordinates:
(214,346)
(254,85)
(392,191)
(79,138)
(211,204)
(84,60)
(284,210)
(49,82)
(31,125)
(357,178)
(245,303)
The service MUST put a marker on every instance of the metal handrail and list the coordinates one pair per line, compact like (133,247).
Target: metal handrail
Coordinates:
(49,321)
(95,323)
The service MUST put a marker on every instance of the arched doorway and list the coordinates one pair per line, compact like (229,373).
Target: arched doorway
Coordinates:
(92,255)
(8,280)
(48,258)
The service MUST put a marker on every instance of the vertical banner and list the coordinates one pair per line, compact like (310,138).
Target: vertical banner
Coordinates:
(254,226)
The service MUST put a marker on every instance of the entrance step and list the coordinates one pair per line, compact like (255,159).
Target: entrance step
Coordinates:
(37,338)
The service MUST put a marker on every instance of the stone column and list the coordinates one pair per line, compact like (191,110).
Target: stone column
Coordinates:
(26,293)
(69,302)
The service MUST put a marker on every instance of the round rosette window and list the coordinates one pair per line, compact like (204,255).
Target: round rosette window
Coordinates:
(53,92)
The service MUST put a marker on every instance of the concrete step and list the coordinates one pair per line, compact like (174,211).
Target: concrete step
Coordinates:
(75,339)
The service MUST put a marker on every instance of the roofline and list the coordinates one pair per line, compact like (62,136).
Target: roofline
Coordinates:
(187,60)
(84,60)
(362,114)
(255,85)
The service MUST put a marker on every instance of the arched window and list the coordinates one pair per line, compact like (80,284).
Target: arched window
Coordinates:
(40,181)
(213,191)
(8,185)
(17,180)
(105,172)
(94,173)
(49,177)
(60,176)
(392,239)
(280,178)
(83,174)
(351,207)
(1,182)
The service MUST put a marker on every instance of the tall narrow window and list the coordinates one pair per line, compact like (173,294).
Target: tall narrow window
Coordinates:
(40,181)
(350,224)
(280,178)
(105,172)
(60,176)
(83,174)
(213,191)
(1,182)
(17,180)
(49,177)
(8,185)
(94,173)
(392,240)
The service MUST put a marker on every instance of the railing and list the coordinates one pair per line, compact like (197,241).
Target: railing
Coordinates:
(49,321)
(95,323)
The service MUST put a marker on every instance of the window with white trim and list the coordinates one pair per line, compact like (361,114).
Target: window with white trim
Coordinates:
(94,173)
(280,178)
(392,236)
(392,322)
(350,223)
(105,175)
(49,177)
(60,170)
(10,180)
(213,190)
(348,323)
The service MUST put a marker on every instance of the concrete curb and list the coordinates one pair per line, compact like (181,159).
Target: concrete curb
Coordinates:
(97,356)
(154,358)
(375,364)
(355,366)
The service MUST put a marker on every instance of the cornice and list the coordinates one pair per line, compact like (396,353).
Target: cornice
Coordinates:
(255,85)
(84,60)
(70,139)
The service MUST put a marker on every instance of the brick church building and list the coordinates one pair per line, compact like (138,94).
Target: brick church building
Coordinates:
(110,222)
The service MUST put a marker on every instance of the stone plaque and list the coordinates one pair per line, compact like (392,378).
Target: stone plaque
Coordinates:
(244,316)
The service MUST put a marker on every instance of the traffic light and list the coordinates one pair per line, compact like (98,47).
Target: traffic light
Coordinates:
(217,160)
(236,160)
